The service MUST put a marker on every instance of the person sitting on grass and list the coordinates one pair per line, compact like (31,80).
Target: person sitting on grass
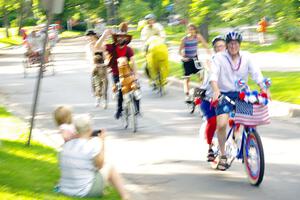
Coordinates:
(84,172)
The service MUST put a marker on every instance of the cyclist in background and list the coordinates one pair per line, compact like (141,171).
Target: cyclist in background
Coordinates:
(152,28)
(157,61)
(208,111)
(188,50)
(227,68)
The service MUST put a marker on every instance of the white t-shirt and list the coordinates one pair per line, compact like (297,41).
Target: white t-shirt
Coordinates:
(226,74)
(77,165)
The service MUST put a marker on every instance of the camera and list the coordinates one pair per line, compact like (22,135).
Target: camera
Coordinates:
(96,132)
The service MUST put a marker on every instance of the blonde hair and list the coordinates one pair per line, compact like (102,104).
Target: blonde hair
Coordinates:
(83,123)
(63,115)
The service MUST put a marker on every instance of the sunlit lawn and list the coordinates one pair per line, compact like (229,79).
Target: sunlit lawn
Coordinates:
(14,39)
(71,34)
(28,172)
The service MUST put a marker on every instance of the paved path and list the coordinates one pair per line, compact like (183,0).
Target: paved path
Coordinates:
(166,158)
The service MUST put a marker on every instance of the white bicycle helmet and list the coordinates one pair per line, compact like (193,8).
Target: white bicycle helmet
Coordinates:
(150,16)
(233,36)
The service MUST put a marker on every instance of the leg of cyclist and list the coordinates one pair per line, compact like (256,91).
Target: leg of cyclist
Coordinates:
(222,121)
(210,115)
(186,87)
(150,66)
(105,87)
(120,98)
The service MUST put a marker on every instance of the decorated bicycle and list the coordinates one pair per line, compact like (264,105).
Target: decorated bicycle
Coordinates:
(243,140)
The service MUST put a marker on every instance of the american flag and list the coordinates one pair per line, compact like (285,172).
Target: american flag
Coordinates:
(251,114)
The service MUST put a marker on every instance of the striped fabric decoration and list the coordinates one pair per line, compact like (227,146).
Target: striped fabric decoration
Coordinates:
(251,115)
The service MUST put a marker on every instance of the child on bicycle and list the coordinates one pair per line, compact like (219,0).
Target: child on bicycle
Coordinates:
(207,109)
(188,51)
(63,119)
(99,79)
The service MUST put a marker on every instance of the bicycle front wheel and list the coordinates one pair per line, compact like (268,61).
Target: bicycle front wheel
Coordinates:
(133,115)
(254,158)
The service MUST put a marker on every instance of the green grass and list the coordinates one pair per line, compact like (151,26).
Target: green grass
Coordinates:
(13,38)
(29,172)
(278,46)
(71,34)
(285,86)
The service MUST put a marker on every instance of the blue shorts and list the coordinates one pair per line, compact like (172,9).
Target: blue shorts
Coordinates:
(207,109)
(224,106)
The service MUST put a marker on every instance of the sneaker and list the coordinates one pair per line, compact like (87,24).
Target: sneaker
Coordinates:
(188,99)
(223,165)
(210,155)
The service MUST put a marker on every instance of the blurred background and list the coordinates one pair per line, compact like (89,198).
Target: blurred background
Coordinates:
(283,16)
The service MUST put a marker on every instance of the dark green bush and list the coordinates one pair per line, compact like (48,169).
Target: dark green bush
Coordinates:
(289,31)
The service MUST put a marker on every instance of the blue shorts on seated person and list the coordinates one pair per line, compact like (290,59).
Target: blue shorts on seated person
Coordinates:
(224,106)
(207,110)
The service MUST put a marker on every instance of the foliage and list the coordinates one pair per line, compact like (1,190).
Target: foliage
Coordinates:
(130,10)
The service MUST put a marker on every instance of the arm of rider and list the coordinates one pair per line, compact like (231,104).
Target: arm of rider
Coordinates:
(216,90)
(99,159)
(100,41)
(204,43)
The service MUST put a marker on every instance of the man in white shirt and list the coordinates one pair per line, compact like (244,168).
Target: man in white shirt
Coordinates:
(152,28)
(227,68)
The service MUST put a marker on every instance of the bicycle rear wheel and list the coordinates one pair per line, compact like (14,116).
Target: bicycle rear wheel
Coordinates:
(254,158)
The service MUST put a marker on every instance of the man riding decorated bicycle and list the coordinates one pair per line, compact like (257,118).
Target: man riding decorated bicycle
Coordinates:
(156,50)
(227,68)
(119,49)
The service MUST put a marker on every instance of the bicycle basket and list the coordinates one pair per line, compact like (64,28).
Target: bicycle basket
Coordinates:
(251,114)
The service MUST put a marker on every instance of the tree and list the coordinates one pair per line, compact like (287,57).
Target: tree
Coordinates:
(203,13)
(133,10)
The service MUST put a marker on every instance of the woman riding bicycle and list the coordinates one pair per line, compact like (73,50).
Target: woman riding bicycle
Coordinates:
(227,68)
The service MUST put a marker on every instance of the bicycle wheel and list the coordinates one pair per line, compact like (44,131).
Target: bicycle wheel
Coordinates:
(25,66)
(191,107)
(133,115)
(254,158)
(125,116)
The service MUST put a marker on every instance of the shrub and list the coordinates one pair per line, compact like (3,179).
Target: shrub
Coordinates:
(289,31)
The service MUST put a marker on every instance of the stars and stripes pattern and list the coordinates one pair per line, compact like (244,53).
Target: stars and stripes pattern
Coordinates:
(251,114)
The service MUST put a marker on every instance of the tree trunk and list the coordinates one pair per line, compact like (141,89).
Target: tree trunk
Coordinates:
(5,19)
(21,16)
(204,29)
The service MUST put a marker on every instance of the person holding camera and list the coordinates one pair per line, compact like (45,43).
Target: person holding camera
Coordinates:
(84,172)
